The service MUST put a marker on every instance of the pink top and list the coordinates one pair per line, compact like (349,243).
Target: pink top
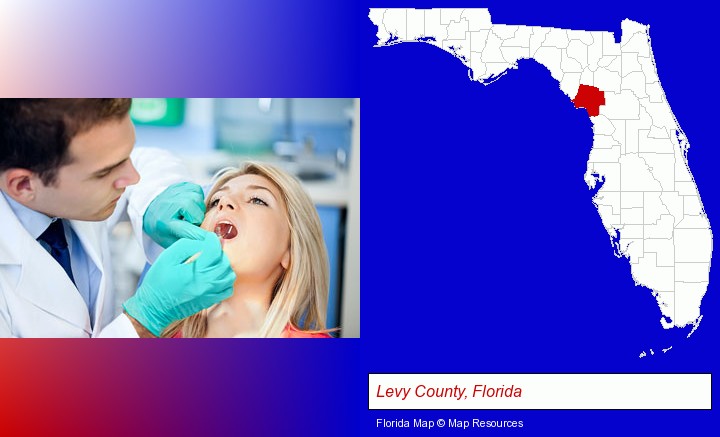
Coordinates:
(290,332)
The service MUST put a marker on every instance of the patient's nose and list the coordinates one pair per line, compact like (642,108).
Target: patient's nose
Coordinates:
(225,202)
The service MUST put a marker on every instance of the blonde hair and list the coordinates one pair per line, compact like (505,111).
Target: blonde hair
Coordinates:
(301,293)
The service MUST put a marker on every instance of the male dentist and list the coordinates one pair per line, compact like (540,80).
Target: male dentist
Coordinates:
(68,173)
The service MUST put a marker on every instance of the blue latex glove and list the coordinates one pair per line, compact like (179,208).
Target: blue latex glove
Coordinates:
(175,213)
(173,290)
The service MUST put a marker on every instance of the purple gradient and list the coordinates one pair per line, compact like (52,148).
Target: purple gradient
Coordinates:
(178,387)
(183,48)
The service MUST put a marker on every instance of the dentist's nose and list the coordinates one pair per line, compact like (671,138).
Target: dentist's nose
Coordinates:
(129,176)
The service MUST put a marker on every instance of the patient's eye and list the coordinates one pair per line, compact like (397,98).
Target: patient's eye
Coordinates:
(214,202)
(257,201)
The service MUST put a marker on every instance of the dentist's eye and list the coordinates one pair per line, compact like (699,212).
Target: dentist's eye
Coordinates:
(103,174)
(258,201)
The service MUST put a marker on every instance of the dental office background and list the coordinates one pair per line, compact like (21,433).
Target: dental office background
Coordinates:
(317,140)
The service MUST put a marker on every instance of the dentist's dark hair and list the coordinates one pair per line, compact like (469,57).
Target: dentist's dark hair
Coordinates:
(35,134)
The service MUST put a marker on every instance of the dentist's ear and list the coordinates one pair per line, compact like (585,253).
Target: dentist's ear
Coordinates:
(19,184)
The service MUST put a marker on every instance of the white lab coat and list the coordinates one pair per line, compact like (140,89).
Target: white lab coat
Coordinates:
(37,299)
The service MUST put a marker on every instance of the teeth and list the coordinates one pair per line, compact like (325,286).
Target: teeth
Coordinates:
(225,230)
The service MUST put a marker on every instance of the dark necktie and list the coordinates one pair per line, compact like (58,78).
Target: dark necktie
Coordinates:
(54,236)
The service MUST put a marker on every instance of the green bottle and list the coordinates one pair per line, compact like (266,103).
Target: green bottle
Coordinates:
(158,112)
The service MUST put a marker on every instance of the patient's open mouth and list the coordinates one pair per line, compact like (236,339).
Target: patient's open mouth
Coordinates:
(226,230)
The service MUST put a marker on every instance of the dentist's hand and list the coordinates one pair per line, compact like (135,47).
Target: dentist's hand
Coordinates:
(175,213)
(173,290)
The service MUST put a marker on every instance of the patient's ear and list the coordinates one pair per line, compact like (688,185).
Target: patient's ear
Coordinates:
(285,261)
(19,184)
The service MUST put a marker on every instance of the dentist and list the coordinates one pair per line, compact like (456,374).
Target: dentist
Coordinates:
(68,174)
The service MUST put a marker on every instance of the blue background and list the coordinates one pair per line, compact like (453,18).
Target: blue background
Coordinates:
(499,260)
(483,252)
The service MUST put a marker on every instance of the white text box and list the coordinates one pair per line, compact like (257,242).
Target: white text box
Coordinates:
(587,391)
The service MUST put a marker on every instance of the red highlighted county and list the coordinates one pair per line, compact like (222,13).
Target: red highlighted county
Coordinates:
(590,98)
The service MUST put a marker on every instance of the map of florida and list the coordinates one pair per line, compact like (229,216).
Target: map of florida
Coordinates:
(646,196)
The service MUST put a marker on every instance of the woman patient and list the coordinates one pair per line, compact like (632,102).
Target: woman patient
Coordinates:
(271,233)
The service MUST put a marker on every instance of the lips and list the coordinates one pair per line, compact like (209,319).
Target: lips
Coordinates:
(225,230)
